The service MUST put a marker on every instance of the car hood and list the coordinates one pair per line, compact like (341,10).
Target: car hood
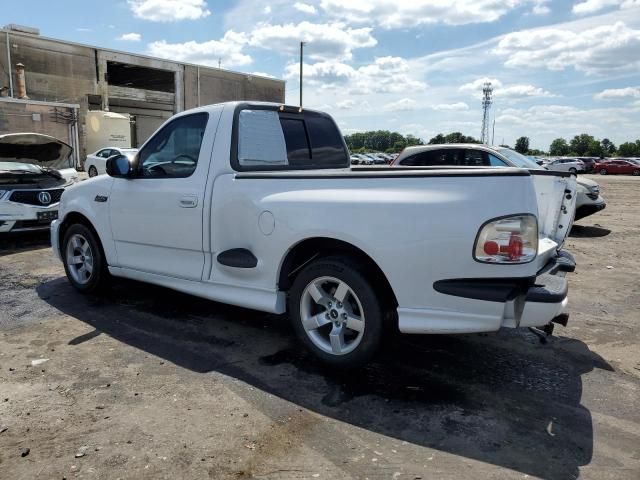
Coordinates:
(586,182)
(34,149)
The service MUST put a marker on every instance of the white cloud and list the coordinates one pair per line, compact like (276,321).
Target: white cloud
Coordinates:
(169,10)
(501,90)
(402,105)
(592,6)
(263,74)
(346,104)
(605,49)
(267,10)
(384,75)
(130,37)
(325,41)
(616,93)
(540,8)
(305,8)
(228,50)
(83,29)
(458,106)
(405,14)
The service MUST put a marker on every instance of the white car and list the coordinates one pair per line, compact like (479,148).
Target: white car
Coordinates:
(255,204)
(35,169)
(572,165)
(96,162)
(588,199)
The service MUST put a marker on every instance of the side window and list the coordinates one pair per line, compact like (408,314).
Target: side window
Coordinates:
(475,158)
(268,139)
(428,158)
(103,153)
(173,151)
(496,162)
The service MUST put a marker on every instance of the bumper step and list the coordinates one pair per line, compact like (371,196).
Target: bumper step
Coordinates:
(548,288)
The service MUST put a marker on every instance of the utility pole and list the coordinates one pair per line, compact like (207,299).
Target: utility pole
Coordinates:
(493,135)
(301,52)
(487,100)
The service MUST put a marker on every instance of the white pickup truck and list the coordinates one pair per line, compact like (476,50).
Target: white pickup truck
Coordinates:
(254,204)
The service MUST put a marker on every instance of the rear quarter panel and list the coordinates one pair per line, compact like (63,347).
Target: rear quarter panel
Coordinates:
(418,230)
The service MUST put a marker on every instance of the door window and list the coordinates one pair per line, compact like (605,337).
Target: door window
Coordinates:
(173,152)
(496,162)
(104,153)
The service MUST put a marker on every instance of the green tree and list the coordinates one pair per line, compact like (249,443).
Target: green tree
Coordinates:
(559,147)
(629,149)
(595,149)
(438,139)
(580,144)
(608,147)
(522,145)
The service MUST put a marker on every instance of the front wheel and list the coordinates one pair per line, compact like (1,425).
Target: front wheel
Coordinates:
(336,312)
(83,259)
(573,170)
(603,171)
(636,172)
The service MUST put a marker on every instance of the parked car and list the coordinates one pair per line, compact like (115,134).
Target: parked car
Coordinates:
(255,204)
(617,166)
(572,165)
(589,163)
(588,199)
(35,169)
(95,164)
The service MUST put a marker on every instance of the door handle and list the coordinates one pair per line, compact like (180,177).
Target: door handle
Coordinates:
(189,201)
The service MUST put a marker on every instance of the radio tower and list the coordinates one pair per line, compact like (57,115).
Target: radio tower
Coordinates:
(487,100)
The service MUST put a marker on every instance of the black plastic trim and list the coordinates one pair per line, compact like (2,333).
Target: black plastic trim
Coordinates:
(551,173)
(549,286)
(390,173)
(238,258)
(487,289)
(586,210)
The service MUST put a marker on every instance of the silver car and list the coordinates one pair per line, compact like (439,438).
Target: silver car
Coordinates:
(572,165)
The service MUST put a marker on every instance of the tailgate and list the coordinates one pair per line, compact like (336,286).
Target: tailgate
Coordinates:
(556,196)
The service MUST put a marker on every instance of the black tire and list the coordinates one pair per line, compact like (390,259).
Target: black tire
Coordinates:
(352,273)
(603,171)
(573,170)
(636,172)
(92,171)
(99,276)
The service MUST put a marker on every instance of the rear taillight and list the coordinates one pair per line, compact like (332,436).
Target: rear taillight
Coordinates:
(510,240)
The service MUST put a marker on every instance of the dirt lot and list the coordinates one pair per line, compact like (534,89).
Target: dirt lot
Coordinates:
(145,383)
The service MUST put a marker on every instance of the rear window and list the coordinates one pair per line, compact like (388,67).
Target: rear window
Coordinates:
(266,139)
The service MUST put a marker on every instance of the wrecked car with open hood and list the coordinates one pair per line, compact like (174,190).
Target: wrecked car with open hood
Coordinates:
(34,171)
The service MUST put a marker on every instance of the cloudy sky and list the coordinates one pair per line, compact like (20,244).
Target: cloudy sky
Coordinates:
(559,67)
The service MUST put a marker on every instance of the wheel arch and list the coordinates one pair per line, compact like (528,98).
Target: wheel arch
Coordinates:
(73,218)
(310,249)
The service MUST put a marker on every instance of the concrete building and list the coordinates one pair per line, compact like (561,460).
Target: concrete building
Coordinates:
(48,85)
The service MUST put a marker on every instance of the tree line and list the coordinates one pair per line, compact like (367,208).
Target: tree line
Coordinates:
(583,145)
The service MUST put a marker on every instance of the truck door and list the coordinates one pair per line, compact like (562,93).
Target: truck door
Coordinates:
(156,217)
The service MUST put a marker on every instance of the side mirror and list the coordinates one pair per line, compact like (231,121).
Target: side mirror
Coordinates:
(119,166)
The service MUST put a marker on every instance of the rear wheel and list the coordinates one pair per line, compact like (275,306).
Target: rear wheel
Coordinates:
(93,171)
(83,259)
(603,171)
(336,312)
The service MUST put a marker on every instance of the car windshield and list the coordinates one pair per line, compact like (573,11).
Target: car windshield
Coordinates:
(518,159)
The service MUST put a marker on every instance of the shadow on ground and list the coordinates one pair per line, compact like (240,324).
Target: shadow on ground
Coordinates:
(500,398)
(588,231)
(15,242)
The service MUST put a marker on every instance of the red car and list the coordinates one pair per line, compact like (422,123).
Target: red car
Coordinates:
(617,166)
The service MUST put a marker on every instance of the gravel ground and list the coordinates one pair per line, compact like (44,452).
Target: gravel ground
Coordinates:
(146,383)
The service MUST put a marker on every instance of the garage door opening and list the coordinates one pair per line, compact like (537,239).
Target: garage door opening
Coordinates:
(134,76)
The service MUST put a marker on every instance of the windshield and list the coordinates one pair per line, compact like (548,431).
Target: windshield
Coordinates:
(518,159)
(19,167)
